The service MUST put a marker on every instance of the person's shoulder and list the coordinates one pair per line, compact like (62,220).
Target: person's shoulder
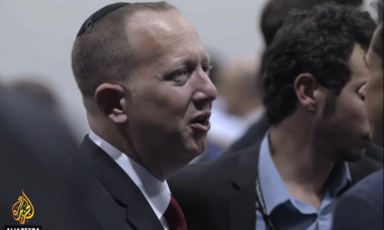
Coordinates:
(369,187)
(206,170)
(208,175)
(252,136)
(203,186)
(369,191)
(351,211)
(375,178)
(375,152)
(363,168)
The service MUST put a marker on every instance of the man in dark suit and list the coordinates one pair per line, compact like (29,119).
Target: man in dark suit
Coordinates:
(362,206)
(314,150)
(142,71)
(39,164)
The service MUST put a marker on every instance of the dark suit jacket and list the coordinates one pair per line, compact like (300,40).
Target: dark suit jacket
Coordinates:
(375,152)
(254,134)
(119,203)
(39,156)
(221,195)
(257,131)
(361,208)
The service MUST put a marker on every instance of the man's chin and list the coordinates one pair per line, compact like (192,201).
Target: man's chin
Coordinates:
(200,144)
(196,148)
(200,149)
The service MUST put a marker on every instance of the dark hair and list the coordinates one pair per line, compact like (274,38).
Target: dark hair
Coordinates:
(319,42)
(276,11)
(104,54)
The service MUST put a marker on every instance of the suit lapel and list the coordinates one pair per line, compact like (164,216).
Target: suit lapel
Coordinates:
(120,185)
(242,209)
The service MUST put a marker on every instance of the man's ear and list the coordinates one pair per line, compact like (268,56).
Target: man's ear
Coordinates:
(305,86)
(110,98)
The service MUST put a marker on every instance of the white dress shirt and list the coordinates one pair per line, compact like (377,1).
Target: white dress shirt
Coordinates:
(156,192)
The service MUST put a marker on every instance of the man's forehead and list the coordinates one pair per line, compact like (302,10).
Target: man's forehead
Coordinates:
(155,33)
(154,24)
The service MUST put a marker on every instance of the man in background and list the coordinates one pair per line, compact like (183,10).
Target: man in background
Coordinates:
(239,104)
(362,206)
(314,151)
(272,19)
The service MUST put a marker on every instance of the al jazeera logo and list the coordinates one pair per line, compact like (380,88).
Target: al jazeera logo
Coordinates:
(23,211)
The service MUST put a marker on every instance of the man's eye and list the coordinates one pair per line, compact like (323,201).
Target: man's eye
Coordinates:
(207,69)
(181,72)
(179,75)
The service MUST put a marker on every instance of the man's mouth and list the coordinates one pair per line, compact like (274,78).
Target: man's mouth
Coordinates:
(201,122)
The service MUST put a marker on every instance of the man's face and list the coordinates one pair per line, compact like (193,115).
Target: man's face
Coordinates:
(374,90)
(171,93)
(342,129)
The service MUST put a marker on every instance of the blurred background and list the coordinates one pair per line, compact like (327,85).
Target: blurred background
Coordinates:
(36,41)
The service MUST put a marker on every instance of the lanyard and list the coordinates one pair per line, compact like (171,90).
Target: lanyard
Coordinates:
(263,207)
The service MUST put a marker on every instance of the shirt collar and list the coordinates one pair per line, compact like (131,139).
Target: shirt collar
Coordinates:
(156,192)
(340,179)
(273,188)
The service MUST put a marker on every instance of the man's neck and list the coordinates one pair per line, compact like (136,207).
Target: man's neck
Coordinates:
(303,171)
(124,145)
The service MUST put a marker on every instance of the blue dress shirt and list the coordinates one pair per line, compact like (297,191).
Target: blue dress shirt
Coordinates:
(289,213)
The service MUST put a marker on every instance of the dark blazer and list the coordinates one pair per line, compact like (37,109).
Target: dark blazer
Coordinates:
(221,195)
(254,134)
(361,208)
(39,156)
(119,203)
(375,152)
(257,131)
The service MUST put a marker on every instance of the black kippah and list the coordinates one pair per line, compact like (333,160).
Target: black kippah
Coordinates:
(87,25)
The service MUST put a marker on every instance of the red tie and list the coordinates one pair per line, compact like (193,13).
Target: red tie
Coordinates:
(175,216)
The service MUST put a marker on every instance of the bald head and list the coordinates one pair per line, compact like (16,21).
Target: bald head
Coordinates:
(156,32)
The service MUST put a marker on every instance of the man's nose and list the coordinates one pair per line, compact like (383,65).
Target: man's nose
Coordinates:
(206,90)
